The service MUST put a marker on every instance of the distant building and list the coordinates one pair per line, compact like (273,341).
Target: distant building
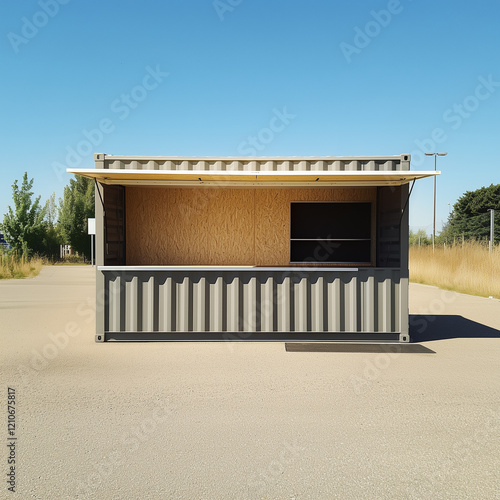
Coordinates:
(3,243)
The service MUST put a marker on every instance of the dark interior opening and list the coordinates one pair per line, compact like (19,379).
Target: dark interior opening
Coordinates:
(332,232)
(388,226)
(114,225)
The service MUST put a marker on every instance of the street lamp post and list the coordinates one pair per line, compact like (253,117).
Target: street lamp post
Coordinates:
(492,228)
(434,218)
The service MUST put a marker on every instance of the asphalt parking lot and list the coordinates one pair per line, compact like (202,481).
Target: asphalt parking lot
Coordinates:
(247,420)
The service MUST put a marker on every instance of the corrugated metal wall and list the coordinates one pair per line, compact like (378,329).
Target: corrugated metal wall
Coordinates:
(241,164)
(366,300)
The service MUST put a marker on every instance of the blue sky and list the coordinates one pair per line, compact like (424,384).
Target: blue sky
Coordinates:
(199,77)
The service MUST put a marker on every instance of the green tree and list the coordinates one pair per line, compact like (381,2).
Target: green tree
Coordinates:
(75,208)
(53,237)
(470,216)
(419,238)
(51,210)
(24,226)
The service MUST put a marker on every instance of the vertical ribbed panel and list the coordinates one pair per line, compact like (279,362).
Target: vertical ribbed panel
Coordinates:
(318,304)
(249,313)
(350,305)
(300,304)
(367,300)
(114,296)
(369,306)
(233,301)
(384,305)
(182,305)
(282,304)
(199,305)
(267,304)
(215,305)
(148,303)
(131,304)
(335,304)
(165,309)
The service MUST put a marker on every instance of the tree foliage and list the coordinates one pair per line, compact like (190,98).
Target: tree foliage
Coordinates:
(471,217)
(75,208)
(419,238)
(24,225)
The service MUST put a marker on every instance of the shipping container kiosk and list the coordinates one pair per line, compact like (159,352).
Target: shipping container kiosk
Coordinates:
(252,248)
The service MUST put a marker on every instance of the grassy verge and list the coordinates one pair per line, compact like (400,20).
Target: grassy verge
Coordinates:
(12,266)
(467,269)
(71,260)
(18,267)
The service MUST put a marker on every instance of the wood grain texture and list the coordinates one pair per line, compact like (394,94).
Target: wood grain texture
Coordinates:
(189,226)
(218,226)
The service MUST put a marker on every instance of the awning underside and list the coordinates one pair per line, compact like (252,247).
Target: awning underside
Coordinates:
(251,178)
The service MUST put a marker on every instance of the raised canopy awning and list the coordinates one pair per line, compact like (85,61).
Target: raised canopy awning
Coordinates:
(183,178)
(253,171)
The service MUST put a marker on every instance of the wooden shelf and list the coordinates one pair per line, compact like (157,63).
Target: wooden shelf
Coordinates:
(330,239)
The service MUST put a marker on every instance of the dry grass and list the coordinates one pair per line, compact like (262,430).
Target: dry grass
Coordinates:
(14,267)
(468,269)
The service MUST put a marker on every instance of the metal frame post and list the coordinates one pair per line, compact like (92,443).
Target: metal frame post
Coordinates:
(434,218)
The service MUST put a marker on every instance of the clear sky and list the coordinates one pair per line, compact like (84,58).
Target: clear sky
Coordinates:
(201,77)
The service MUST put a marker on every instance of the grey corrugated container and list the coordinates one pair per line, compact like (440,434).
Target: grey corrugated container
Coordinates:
(341,303)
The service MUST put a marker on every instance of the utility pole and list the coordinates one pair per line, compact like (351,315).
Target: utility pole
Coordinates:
(434,219)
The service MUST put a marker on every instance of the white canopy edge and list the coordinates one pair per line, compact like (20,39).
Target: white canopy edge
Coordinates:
(226,268)
(225,178)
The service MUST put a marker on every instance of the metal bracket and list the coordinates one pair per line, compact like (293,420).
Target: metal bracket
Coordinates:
(404,338)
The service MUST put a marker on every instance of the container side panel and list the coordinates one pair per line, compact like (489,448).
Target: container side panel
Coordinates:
(366,301)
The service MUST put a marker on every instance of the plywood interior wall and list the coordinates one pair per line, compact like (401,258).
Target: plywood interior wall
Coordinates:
(219,226)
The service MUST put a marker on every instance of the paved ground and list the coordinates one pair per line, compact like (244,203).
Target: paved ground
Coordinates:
(247,420)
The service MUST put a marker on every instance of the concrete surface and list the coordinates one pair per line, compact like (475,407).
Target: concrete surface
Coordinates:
(248,420)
